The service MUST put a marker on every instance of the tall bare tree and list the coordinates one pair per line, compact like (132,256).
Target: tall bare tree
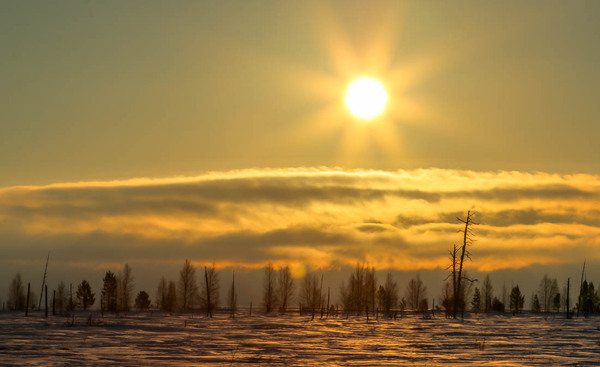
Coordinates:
(547,291)
(16,294)
(285,287)
(269,288)
(416,292)
(310,297)
(458,262)
(355,294)
(125,288)
(161,293)
(187,288)
(209,296)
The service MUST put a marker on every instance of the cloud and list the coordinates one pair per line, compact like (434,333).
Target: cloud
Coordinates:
(314,216)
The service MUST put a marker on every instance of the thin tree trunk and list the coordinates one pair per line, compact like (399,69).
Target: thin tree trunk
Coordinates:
(44,281)
(580,288)
(208,305)
(27,305)
(46,300)
(568,285)
(328,293)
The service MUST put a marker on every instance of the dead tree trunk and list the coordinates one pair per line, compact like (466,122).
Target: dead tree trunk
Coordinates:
(464,252)
(44,281)
(27,304)
(46,300)
(568,285)
(208,305)
(579,299)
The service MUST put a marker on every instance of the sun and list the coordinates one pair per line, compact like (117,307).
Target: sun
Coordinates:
(366,98)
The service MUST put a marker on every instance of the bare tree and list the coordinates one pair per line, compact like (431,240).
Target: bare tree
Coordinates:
(16,294)
(187,288)
(161,294)
(547,291)
(359,294)
(209,297)
(309,293)
(488,293)
(416,292)
(269,288)
(125,288)
(285,287)
(458,263)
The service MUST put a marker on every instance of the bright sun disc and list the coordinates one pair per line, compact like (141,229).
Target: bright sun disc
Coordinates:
(366,98)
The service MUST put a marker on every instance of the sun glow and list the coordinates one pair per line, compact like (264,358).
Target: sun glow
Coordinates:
(366,98)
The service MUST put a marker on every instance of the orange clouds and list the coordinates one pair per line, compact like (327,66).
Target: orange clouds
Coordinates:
(314,217)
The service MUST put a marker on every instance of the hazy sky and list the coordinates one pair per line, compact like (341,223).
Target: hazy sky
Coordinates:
(233,112)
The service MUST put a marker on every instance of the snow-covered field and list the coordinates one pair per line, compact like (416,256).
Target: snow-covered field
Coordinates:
(159,339)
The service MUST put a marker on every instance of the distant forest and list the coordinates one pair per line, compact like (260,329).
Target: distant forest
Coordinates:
(199,289)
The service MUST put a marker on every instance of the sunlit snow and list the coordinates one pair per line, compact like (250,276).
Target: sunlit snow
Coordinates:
(161,339)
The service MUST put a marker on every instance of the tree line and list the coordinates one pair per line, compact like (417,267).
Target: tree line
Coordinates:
(360,294)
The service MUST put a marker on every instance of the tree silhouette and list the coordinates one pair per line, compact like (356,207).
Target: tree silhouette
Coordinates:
(388,295)
(516,300)
(458,262)
(125,288)
(497,305)
(535,304)
(416,292)
(476,302)
(232,298)
(171,299)
(109,292)
(85,297)
(142,301)
(16,294)
(547,291)
(285,287)
(187,288)
(209,297)
(487,292)
(61,297)
(360,294)
(269,290)
(161,294)
(310,297)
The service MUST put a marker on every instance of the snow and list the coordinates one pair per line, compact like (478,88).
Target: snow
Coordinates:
(161,339)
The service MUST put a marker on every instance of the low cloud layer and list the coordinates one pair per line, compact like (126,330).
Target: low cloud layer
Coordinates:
(404,220)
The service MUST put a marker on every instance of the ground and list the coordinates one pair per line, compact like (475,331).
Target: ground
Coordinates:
(160,339)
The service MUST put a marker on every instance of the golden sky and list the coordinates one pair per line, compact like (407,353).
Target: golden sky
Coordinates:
(232,113)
